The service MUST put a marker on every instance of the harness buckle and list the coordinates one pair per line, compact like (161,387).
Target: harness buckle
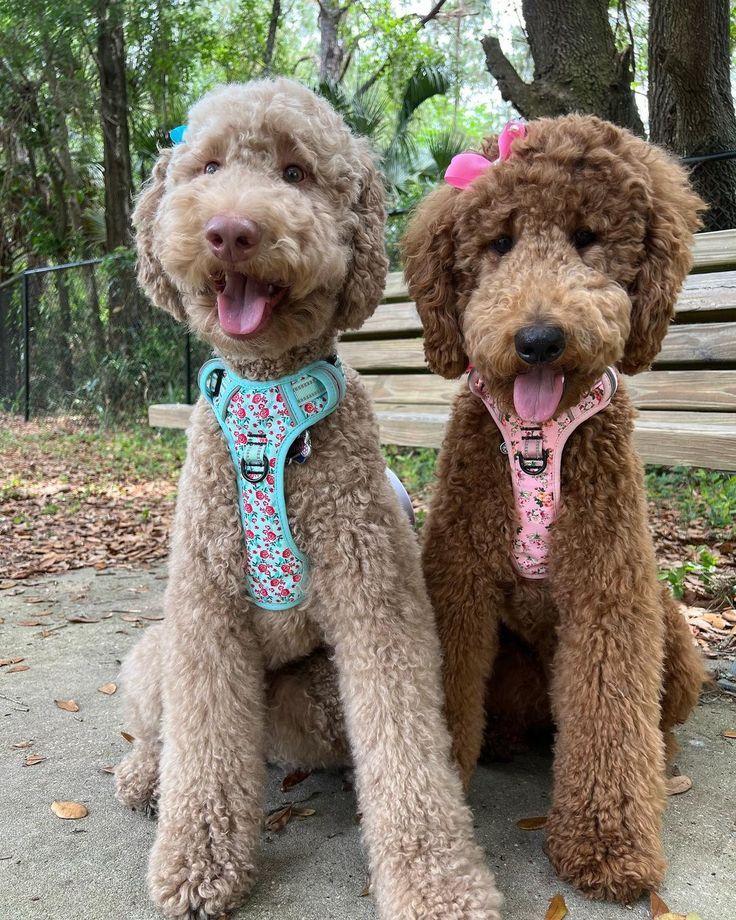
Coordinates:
(213,390)
(254,464)
(533,455)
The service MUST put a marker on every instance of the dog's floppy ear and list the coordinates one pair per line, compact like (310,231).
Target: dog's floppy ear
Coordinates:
(673,218)
(151,275)
(428,255)
(366,278)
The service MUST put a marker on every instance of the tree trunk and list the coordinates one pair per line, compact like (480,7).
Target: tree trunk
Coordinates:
(114,110)
(577,67)
(273,26)
(690,103)
(122,302)
(331,49)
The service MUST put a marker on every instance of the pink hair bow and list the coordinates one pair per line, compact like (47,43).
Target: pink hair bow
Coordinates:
(466,167)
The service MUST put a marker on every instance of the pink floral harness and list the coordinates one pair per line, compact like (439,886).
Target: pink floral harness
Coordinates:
(535,456)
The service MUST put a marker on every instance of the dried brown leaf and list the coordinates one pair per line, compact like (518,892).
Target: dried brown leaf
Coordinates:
(152,616)
(532,824)
(128,737)
(7,583)
(657,907)
(81,618)
(729,733)
(108,769)
(294,778)
(7,661)
(108,689)
(32,760)
(23,744)
(30,623)
(69,811)
(557,909)
(676,785)
(68,705)
(278,819)
(18,667)
(299,812)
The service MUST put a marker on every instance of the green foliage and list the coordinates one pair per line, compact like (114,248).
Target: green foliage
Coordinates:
(703,568)
(698,494)
(413,465)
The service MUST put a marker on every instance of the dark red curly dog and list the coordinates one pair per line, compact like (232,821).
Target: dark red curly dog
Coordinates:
(554,264)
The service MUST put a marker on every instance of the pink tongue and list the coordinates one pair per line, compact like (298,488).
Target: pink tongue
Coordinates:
(538,393)
(242,305)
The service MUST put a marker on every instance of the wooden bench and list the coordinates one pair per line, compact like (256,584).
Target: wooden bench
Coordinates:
(687,402)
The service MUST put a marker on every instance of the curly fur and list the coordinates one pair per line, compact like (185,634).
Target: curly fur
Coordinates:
(354,671)
(599,647)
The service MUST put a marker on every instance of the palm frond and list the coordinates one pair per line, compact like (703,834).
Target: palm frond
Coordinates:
(425,82)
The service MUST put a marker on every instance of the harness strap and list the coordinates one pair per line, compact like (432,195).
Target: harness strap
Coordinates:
(535,458)
(261,420)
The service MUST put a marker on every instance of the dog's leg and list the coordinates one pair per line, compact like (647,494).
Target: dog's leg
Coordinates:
(467,622)
(212,688)
(684,672)
(465,556)
(603,830)
(374,610)
(305,722)
(136,776)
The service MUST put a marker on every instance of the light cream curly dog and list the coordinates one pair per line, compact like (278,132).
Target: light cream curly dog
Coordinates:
(222,684)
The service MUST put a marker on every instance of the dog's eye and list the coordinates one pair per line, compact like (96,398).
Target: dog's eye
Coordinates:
(502,245)
(583,237)
(212,167)
(293,174)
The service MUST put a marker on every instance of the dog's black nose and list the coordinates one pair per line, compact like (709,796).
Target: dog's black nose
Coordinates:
(232,238)
(539,344)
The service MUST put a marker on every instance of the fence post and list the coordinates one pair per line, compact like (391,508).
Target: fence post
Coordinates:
(26,349)
(188,366)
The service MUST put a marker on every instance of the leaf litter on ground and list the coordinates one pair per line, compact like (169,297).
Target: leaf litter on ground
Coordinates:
(660,911)
(277,819)
(67,705)
(532,824)
(557,909)
(69,811)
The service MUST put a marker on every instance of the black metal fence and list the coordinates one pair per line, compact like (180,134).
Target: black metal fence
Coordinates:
(81,339)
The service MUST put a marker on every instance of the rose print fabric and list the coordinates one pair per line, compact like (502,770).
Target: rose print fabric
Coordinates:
(535,455)
(261,420)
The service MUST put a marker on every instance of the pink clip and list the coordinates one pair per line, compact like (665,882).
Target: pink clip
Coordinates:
(506,138)
(466,167)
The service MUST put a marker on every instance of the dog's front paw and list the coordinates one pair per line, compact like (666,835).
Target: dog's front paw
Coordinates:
(197,875)
(440,886)
(604,866)
(136,779)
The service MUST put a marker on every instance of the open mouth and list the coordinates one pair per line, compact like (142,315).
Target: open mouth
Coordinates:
(244,303)
(537,393)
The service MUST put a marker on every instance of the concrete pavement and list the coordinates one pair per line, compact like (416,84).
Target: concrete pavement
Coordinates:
(94,868)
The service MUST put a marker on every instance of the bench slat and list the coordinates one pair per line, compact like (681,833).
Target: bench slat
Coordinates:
(694,343)
(714,294)
(710,251)
(709,390)
(664,438)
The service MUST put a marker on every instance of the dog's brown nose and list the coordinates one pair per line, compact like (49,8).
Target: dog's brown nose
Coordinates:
(539,344)
(232,238)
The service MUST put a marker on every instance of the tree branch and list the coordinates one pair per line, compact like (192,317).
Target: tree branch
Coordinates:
(432,14)
(513,89)
(423,20)
(272,28)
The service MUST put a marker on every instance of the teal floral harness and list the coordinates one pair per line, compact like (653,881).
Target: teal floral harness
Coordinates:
(265,424)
